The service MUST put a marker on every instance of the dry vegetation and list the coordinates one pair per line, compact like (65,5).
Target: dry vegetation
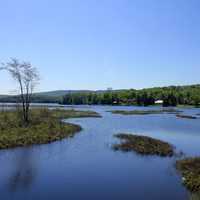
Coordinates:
(190,171)
(143,145)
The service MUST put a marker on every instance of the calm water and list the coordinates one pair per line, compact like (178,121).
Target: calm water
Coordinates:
(85,167)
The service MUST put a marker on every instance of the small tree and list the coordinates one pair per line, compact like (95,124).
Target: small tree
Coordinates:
(26,77)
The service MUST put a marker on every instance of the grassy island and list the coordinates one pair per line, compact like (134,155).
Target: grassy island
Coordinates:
(190,171)
(45,126)
(186,116)
(145,112)
(143,145)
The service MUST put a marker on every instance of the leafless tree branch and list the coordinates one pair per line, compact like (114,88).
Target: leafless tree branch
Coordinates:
(27,78)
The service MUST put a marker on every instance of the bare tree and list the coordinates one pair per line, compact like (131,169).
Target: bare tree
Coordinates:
(26,77)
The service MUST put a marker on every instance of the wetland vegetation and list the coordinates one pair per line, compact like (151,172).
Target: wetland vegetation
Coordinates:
(44,126)
(143,145)
(190,171)
(186,116)
(145,112)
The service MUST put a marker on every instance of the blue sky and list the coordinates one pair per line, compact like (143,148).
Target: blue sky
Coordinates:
(95,44)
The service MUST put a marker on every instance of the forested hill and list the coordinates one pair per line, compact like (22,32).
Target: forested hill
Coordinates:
(172,95)
(55,96)
(43,97)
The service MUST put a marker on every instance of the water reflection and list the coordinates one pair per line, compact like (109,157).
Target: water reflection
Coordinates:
(24,171)
(85,167)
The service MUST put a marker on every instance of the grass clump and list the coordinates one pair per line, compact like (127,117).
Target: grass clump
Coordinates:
(186,116)
(45,126)
(143,145)
(190,171)
(145,112)
(195,196)
(61,113)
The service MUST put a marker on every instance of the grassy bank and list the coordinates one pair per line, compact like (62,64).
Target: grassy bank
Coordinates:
(190,171)
(45,126)
(145,112)
(143,145)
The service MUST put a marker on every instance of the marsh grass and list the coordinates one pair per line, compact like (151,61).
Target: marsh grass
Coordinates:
(190,171)
(195,196)
(61,113)
(143,145)
(145,112)
(45,126)
(186,116)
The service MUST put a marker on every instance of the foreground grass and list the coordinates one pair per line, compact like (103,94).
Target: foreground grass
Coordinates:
(143,145)
(190,171)
(145,112)
(45,126)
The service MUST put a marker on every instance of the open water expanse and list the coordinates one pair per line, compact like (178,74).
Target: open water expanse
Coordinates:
(86,167)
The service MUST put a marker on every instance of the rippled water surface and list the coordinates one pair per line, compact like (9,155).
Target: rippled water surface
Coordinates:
(86,167)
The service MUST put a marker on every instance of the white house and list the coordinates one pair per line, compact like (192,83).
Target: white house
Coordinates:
(159,102)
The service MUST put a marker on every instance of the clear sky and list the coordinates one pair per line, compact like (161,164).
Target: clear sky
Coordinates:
(95,44)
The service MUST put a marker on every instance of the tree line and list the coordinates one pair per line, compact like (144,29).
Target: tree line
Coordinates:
(171,96)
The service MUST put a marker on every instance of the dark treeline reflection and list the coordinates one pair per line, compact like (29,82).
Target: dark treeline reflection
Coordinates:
(24,171)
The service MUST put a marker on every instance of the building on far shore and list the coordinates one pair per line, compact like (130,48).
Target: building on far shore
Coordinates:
(159,102)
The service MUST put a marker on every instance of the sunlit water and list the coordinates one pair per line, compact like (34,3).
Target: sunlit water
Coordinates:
(86,167)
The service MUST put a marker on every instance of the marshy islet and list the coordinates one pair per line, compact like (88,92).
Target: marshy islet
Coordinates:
(143,145)
(189,169)
(45,126)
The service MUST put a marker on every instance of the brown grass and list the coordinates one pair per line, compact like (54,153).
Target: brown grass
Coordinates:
(45,126)
(190,171)
(143,145)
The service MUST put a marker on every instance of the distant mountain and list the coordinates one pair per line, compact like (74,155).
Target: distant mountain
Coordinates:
(57,93)
(45,97)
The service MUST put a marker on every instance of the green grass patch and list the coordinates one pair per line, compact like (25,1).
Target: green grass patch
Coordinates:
(143,145)
(185,106)
(45,126)
(190,171)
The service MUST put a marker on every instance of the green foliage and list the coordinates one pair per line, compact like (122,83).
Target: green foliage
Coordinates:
(171,96)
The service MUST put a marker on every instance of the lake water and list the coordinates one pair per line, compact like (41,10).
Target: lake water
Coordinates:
(86,167)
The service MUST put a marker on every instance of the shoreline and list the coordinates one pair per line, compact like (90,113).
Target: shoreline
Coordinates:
(46,126)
